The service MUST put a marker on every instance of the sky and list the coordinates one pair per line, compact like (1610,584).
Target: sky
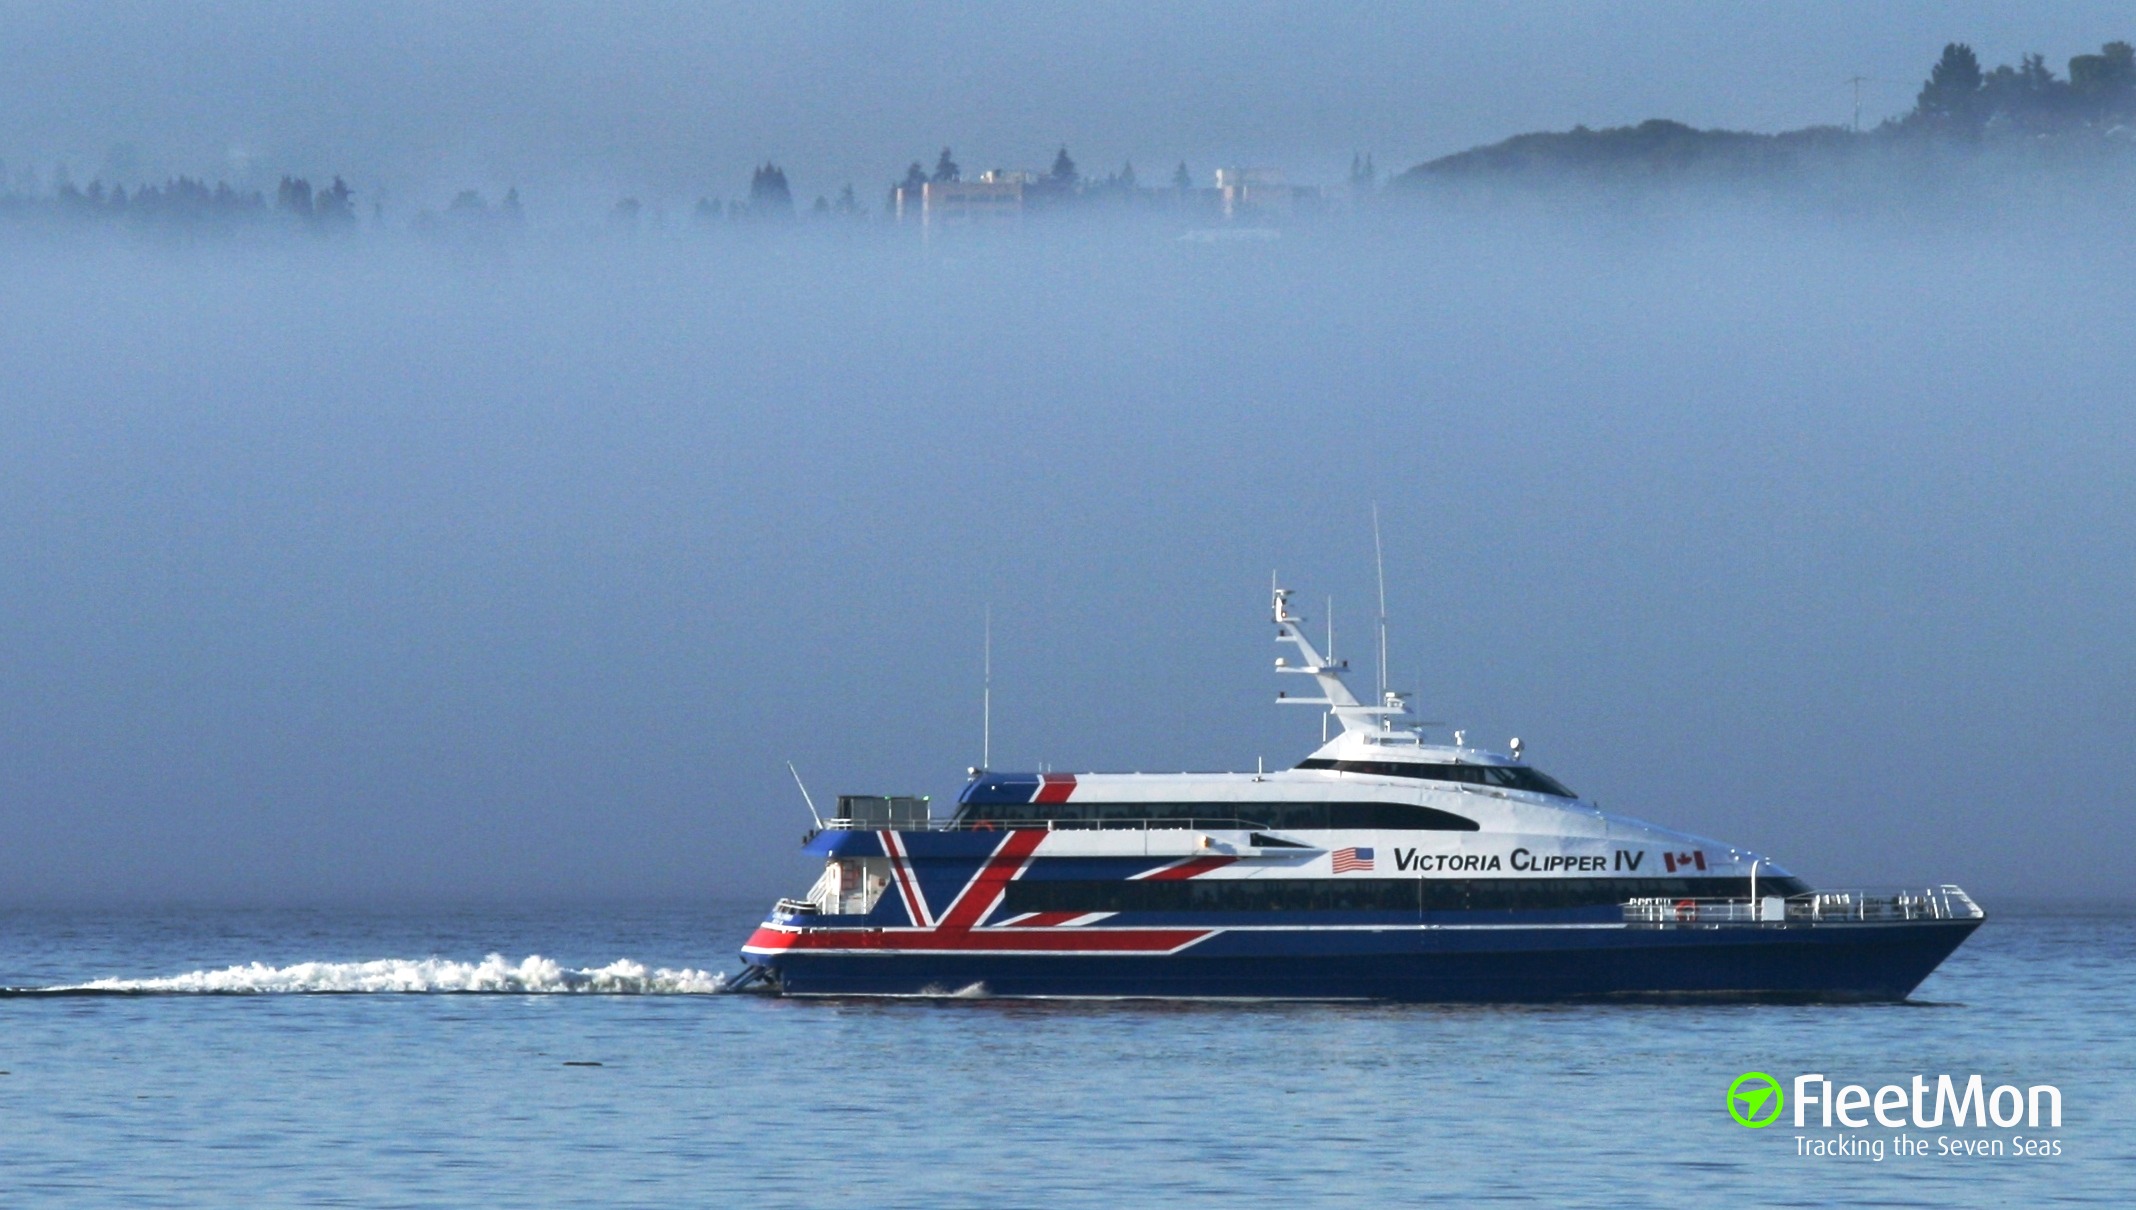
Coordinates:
(673,101)
(385,569)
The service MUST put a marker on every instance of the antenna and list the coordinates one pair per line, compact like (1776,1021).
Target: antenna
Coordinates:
(804,796)
(1857,81)
(1379,563)
(1337,700)
(986,691)
(1331,660)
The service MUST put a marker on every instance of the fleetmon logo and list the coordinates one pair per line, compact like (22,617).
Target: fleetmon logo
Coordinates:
(1754,1099)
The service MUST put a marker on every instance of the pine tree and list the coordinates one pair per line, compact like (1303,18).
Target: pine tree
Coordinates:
(769,196)
(1363,177)
(1950,100)
(294,197)
(332,206)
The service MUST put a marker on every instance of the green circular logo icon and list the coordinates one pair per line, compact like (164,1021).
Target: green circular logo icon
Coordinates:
(1754,1099)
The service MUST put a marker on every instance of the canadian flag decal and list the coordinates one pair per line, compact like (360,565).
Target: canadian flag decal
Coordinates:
(1684,861)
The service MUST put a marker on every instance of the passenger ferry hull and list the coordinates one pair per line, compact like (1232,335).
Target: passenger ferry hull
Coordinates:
(1487,963)
(1381,867)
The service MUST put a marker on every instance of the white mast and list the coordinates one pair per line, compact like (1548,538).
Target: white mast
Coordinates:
(986,691)
(805,796)
(1379,566)
(1335,696)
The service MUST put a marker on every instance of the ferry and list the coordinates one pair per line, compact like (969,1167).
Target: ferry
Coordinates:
(1381,867)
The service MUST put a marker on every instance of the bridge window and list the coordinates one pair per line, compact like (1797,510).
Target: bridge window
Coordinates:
(1512,777)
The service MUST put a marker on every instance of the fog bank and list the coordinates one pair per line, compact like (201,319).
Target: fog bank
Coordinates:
(381,569)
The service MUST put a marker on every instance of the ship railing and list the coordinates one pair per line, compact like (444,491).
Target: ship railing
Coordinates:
(821,898)
(1946,902)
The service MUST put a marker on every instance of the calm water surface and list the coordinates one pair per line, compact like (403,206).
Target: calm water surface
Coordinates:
(431,1099)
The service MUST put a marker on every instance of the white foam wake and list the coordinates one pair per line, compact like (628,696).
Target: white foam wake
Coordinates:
(533,975)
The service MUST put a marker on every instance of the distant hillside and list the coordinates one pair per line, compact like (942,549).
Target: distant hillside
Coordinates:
(2022,114)
(1653,148)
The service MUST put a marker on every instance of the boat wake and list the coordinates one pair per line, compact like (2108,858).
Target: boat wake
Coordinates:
(495,975)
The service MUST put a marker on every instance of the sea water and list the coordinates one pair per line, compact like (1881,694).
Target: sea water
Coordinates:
(581,1057)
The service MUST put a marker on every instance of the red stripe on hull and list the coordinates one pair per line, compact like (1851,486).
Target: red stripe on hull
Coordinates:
(1037,941)
(984,890)
(1040,920)
(1055,787)
(907,889)
(769,939)
(1189,868)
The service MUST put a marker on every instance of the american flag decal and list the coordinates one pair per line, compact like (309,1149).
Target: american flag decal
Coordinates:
(1349,861)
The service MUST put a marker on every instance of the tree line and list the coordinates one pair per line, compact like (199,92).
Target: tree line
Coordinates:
(2091,112)
(1959,103)
(189,202)
(1959,99)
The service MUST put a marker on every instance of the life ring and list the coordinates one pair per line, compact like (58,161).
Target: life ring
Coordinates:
(1686,909)
(983,825)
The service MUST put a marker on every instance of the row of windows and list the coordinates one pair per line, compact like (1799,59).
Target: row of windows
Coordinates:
(1512,777)
(1281,816)
(1368,894)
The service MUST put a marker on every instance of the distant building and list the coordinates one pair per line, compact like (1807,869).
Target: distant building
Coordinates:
(995,199)
(1247,192)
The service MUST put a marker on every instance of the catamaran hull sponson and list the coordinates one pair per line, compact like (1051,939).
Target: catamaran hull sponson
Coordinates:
(1505,964)
(1380,867)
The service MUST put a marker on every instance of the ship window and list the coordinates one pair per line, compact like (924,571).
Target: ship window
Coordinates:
(1396,816)
(1513,777)
(1278,816)
(1366,894)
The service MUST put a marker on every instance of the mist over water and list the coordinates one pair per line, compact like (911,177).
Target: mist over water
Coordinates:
(384,568)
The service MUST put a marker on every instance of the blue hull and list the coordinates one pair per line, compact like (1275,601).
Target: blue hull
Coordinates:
(1832,962)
